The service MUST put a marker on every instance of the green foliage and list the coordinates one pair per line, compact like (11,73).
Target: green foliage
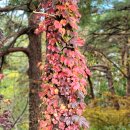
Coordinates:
(14,88)
(16,2)
(102,34)
(103,115)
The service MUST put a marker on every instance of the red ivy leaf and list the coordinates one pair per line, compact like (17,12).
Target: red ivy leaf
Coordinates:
(57,24)
(43,124)
(62,31)
(63,22)
(73,22)
(61,7)
(77,42)
(79,112)
(61,125)
(73,8)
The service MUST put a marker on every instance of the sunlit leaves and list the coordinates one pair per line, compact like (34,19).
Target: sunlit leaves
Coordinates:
(57,24)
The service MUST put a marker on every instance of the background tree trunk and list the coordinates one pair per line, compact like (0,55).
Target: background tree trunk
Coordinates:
(128,70)
(110,81)
(127,64)
(128,86)
(91,87)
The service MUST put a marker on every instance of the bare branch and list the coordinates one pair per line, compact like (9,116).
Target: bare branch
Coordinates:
(14,37)
(20,116)
(101,68)
(15,49)
(112,33)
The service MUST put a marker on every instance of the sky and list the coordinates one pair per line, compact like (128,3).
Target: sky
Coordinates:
(3,3)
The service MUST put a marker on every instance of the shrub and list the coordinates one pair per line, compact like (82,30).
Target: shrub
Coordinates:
(103,114)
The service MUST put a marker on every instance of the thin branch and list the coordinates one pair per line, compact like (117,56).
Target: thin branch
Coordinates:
(112,33)
(114,65)
(100,66)
(98,69)
(42,13)
(20,116)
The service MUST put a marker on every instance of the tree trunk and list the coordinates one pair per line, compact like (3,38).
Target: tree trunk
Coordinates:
(91,87)
(107,71)
(110,81)
(128,74)
(111,87)
(88,9)
(128,71)
(128,86)
(34,75)
(127,66)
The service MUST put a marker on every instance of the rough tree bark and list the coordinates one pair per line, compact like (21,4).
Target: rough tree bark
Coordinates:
(34,75)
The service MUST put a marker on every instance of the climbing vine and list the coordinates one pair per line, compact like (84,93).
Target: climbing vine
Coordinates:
(64,81)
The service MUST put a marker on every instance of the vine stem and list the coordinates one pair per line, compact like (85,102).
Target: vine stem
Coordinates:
(43,13)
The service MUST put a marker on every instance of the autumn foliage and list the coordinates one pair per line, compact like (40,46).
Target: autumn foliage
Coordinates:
(65,73)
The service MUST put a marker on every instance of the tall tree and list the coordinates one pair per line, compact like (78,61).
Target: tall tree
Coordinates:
(33,51)
(108,41)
